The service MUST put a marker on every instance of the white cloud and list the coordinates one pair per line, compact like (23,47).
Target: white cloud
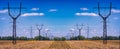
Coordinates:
(4,11)
(46,30)
(53,10)
(35,9)
(115,11)
(84,9)
(72,29)
(33,14)
(86,14)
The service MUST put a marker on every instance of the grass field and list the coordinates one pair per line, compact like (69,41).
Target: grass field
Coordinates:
(85,44)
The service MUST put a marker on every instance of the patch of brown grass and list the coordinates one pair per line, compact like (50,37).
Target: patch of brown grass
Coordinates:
(92,45)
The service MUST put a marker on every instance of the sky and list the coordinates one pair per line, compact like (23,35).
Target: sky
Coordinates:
(59,17)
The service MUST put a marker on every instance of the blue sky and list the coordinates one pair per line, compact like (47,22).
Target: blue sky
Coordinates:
(59,16)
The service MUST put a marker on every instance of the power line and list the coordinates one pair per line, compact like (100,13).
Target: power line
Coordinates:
(14,21)
(79,29)
(47,30)
(31,32)
(88,31)
(72,32)
(39,28)
(104,22)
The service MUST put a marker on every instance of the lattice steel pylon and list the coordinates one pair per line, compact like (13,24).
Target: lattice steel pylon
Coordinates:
(104,22)
(14,22)
(31,32)
(88,31)
(79,29)
(39,28)
(72,32)
(47,30)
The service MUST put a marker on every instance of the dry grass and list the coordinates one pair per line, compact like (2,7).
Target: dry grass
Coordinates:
(26,45)
(59,45)
(86,44)
(93,45)
(112,42)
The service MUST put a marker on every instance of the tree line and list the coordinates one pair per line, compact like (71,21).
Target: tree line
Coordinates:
(60,38)
(95,38)
(24,38)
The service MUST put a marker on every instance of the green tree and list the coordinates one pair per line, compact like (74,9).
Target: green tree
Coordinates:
(112,38)
(56,38)
(7,38)
(77,38)
(63,38)
(22,38)
(119,38)
(81,37)
(96,38)
(38,37)
(0,37)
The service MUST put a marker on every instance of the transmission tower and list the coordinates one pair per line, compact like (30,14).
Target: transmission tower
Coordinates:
(31,32)
(104,22)
(88,31)
(72,32)
(14,22)
(79,29)
(39,28)
(47,30)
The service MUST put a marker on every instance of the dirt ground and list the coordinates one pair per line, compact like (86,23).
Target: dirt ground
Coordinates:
(85,44)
